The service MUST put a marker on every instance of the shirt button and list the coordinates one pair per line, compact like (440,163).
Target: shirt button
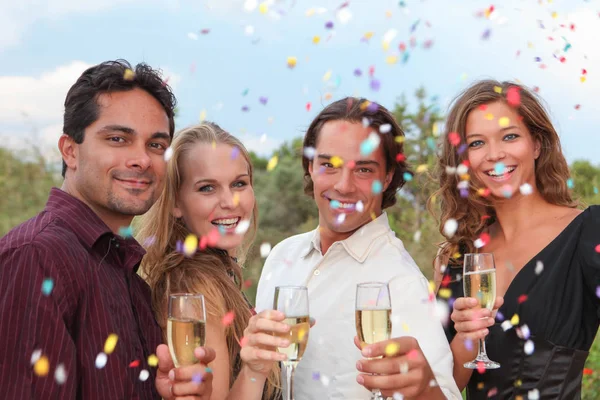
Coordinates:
(317,272)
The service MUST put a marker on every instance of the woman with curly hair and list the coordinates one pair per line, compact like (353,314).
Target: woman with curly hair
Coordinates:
(504,185)
(208,193)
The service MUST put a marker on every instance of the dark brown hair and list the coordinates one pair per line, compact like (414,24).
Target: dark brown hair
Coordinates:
(81,105)
(353,110)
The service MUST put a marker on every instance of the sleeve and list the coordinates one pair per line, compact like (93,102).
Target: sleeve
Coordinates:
(414,315)
(34,300)
(589,254)
(264,299)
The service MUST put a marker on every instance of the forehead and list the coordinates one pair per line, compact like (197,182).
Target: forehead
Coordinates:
(490,120)
(343,138)
(218,162)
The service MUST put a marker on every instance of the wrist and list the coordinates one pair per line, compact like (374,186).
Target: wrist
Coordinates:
(432,393)
(254,376)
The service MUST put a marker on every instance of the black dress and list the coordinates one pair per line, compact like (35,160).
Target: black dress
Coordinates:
(561,311)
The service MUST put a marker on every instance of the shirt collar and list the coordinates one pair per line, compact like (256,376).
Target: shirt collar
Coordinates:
(359,244)
(68,208)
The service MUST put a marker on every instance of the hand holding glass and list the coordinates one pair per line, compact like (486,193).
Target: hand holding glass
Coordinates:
(186,327)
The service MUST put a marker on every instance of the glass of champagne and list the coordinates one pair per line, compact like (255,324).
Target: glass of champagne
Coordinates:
(479,281)
(186,327)
(373,317)
(293,302)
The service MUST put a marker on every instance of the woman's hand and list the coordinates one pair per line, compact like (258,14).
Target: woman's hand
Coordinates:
(470,320)
(259,345)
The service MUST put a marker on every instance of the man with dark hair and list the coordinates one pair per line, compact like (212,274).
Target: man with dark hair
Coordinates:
(76,318)
(354,166)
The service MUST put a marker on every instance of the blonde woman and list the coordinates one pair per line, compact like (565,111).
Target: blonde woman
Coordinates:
(209,194)
(517,203)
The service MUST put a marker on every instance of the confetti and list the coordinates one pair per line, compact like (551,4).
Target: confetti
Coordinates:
(47,286)
(375,85)
(454,138)
(340,218)
(385,128)
(134,364)
(513,97)
(228,318)
(570,183)
(506,325)
(533,394)
(522,298)
(407,176)
(41,366)
(110,343)
(507,191)
(60,374)
(360,207)
(336,161)
(152,360)
(324,380)
(128,75)
(504,122)
(265,249)
(450,227)
(242,227)
(190,245)
(291,62)
(480,367)
(335,204)
(126,231)
(249,30)
(377,187)
(168,153)
(144,375)
(35,356)
(539,267)
(250,5)
(514,320)
(272,163)
(499,168)
(526,189)
(101,360)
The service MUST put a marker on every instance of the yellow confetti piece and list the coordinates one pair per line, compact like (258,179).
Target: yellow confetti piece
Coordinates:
(190,244)
(519,397)
(504,122)
(405,327)
(364,105)
(498,89)
(41,366)
(336,161)
(435,129)
(327,76)
(236,199)
(310,12)
(515,320)
(385,45)
(316,39)
(391,349)
(128,75)
(391,59)
(301,334)
(465,177)
(480,386)
(368,35)
(554,14)
(489,116)
(530,45)
(272,163)
(518,383)
(373,216)
(152,360)
(431,285)
(456,255)
(214,144)
(291,62)
(111,343)
(445,293)
(263,8)
(399,139)
(422,168)
(202,115)
(582,79)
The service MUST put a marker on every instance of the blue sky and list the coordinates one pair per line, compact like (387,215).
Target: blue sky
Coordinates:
(242,56)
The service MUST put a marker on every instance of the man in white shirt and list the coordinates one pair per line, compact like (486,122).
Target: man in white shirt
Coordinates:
(355,173)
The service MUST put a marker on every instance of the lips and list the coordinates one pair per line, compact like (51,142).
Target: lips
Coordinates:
(227,223)
(504,176)
(344,206)
(135,183)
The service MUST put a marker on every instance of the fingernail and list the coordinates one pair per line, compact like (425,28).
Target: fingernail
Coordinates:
(172,374)
(359,366)
(491,321)
(312,321)
(360,379)
(200,352)
(366,352)
(284,343)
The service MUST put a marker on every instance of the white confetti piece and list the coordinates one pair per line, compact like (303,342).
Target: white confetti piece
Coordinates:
(168,153)
(529,347)
(249,30)
(250,5)
(360,207)
(450,227)
(533,394)
(525,189)
(417,236)
(265,249)
(263,138)
(101,360)
(523,332)
(478,243)
(192,36)
(242,227)
(35,356)
(340,218)
(366,122)
(324,380)
(398,396)
(506,325)
(144,375)
(60,374)
(344,15)
(385,128)
(309,152)
(462,169)
(539,267)
(450,170)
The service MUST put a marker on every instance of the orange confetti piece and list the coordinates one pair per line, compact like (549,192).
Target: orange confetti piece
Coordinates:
(588,371)
(522,298)
(134,364)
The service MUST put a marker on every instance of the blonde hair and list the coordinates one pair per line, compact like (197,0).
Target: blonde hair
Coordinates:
(168,270)
(551,168)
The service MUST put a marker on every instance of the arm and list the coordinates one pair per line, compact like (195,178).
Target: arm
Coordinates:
(33,321)
(215,339)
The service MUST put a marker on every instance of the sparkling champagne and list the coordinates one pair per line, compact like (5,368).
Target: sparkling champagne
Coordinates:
(482,286)
(184,335)
(298,337)
(373,325)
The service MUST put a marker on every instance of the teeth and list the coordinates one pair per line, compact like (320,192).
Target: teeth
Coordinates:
(228,221)
(506,171)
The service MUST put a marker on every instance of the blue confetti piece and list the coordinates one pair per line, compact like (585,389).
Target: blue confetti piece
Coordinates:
(431,143)
(407,176)
(499,168)
(461,149)
(197,378)
(329,25)
(367,147)
(335,204)
(595,190)
(357,72)
(47,286)
(377,187)
(263,100)
(597,291)
(373,107)
(245,109)
(469,344)
(126,231)
(464,193)
(405,57)
(179,246)
(499,316)
(208,370)
(570,183)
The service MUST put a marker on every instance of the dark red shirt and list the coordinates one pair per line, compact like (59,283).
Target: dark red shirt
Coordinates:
(95,291)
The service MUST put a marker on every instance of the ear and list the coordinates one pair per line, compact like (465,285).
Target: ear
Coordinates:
(310,167)
(538,149)
(69,150)
(388,179)
(177,213)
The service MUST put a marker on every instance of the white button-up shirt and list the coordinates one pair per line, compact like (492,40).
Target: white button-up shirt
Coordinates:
(373,253)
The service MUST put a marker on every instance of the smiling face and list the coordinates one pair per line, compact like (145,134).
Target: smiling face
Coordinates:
(501,157)
(118,169)
(344,194)
(215,192)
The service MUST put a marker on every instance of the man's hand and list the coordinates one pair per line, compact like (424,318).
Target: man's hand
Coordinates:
(402,369)
(189,382)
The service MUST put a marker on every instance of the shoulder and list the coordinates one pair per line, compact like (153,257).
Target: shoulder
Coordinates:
(589,238)
(292,246)
(389,253)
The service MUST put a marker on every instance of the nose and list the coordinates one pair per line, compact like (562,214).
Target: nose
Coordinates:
(495,152)
(345,183)
(139,158)
(228,199)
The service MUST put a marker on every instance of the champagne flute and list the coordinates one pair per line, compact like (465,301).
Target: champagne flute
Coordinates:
(373,317)
(479,281)
(293,302)
(186,327)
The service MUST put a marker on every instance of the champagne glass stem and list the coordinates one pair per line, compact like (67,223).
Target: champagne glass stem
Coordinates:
(482,353)
(376,395)
(288,369)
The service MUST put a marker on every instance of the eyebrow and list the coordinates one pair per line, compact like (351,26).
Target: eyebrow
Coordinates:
(470,135)
(209,180)
(130,131)
(359,162)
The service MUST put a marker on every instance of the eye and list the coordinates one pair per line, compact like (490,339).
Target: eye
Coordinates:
(364,170)
(158,146)
(239,184)
(510,136)
(475,143)
(327,165)
(116,139)
(206,188)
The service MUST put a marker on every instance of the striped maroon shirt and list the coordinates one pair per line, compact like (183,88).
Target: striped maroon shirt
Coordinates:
(66,283)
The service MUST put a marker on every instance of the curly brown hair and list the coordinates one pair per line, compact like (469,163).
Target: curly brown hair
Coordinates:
(353,109)
(551,168)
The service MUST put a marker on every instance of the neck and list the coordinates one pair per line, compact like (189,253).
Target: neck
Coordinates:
(113,220)
(518,213)
(328,236)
